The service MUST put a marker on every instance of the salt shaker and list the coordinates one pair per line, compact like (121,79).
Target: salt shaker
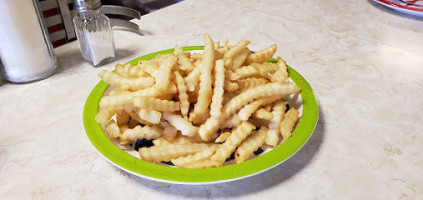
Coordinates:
(94,32)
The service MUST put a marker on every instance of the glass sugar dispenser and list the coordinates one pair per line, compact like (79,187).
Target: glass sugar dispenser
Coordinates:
(94,32)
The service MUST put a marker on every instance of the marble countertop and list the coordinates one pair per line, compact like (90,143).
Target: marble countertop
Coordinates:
(364,62)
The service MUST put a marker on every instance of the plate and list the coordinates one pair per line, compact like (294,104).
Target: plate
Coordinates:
(261,163)
(411,7)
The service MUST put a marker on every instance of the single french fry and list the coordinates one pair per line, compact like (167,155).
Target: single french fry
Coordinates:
(216,103)
(234,121)
(104,115)
(252,143)
(223,137)
(122,118)
(172,151)
(150,68)
(181,124)
(151,116)
(139,132)
(262,56)
(203,164)
(240,59)
(164,74)
(156,104)
(170,132)
(197,157)
(182,93)
(237,49)
(205,92)
(262,113)
(273,133)
(193,78)
(230,86)
(246,112)
(237,136)
(244,72)
(125,83)
(127,98)
(288,123)
(112,129)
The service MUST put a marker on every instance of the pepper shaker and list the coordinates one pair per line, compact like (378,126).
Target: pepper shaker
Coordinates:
(94,32)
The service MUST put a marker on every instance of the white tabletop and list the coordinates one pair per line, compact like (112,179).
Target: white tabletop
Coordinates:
(364,62)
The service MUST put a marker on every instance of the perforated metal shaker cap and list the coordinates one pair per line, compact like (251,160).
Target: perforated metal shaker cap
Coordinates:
(83,5)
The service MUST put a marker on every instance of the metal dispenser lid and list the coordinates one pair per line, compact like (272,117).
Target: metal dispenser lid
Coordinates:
(84,5)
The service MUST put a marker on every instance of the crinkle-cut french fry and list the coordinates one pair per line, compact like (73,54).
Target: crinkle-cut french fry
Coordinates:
(230,86)
(123,128)
(178,139)
(150,68)
(279,77)
(199,118)
(235,50)
(193,78)
(112,129)
(197,157)
(156,104)
(237,136)
(184,64)
(205,92)
(127,98)
(239,59)
(282,65)
(271,89)
(262,113)
(203,164)
(140,132)
(125,83)
(252,143)
(122,118)
(251,82)
(172,151)
(288,123)
(262,56)
(246,112)
(216,103)
(178,50)
(151,116)
(134,114)
(130,71)
(104,115)
(234,121)
(164,74)
(244,72)
(266,68)
(181,124)
(182,93)
(223,137)
(273,133)
(170,132)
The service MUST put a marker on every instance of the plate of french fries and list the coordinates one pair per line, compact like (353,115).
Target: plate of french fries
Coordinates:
(201,114)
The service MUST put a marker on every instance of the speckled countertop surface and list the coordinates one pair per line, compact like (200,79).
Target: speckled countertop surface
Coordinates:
(364,62)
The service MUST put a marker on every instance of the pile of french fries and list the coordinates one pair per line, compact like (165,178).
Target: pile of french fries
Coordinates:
(200,108)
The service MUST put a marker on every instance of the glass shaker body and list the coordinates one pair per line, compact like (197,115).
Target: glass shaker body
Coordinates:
(95,37)
(25,49)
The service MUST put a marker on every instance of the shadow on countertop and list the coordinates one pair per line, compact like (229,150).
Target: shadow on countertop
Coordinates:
(250,185)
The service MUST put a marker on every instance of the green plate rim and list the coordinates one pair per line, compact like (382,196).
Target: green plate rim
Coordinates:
(163,173)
